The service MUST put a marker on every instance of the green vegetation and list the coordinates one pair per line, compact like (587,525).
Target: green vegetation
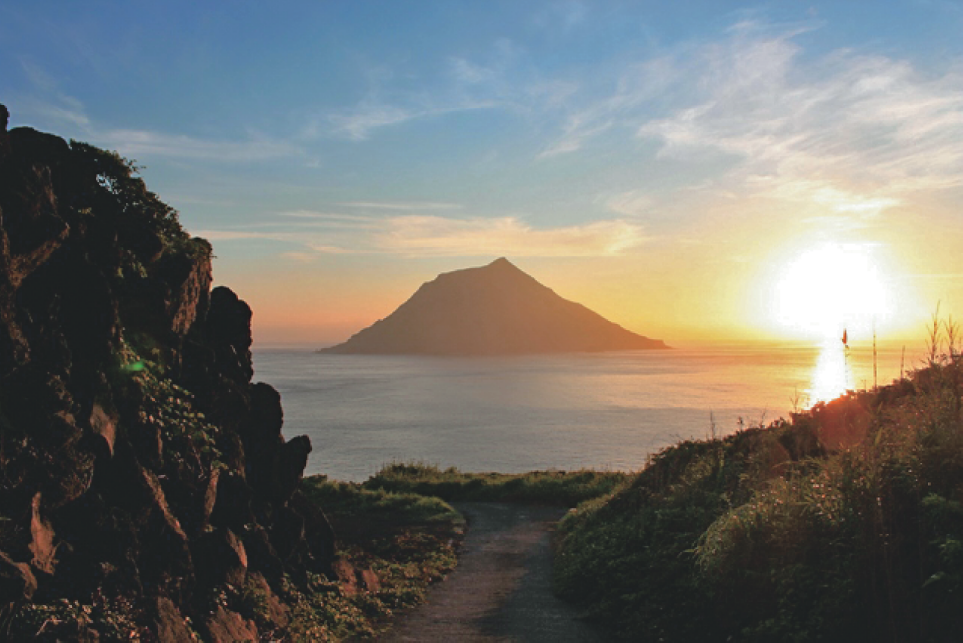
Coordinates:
(399,526)
(405,541)
(844,524)
(566,488)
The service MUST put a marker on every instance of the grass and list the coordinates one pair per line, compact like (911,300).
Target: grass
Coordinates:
(842,524)
(408,542)
(564,488)
(399,525)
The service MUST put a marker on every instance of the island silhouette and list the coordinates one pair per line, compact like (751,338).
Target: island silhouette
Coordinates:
(495,309)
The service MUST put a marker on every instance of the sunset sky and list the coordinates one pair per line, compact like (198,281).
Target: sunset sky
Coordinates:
(690,170)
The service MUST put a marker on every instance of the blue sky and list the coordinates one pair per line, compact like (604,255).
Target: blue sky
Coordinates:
(652,160)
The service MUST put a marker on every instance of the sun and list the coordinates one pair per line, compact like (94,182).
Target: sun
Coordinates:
(830,287)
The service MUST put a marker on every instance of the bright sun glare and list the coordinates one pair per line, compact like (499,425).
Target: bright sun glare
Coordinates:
(831,287)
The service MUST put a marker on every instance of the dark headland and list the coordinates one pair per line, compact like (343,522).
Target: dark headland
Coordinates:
(491,310)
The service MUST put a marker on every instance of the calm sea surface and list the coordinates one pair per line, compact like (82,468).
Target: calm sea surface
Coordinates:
(606,410)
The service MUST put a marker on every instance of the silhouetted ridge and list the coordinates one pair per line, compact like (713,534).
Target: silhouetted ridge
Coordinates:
(491,310)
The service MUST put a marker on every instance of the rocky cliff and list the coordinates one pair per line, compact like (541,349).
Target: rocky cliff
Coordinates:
(491,310)
(143,477)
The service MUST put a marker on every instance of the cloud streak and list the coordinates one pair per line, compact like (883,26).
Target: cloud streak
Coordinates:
(855,134)
(52,105)
(427,235)
(143,144)
(869,127)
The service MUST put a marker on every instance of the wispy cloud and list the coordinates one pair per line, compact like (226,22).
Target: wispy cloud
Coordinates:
(142,144)
(626,104)
(850,131)
(426,235)
(359,123)
(48,101)
(630,203)
(846,133)
(492,79)
(51,105)
(317,243)
(406,206)
(314,216)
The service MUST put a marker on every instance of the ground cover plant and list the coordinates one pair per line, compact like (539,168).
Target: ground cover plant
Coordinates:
(843,523)
(553,487)
(391,547)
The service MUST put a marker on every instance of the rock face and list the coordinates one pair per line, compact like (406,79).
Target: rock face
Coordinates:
(492,310)
(139,465)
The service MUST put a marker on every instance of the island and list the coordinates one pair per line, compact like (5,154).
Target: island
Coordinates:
(495,309)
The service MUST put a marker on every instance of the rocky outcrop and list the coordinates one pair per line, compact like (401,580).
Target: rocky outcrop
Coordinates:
(139,464)
(491,310)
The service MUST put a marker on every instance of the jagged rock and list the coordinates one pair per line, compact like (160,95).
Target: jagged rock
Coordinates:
(17,582)
(291,459)
(225,626)
(104,424)
(221,558)
(261,434)
(190,284)
(229,332)
(261,555)
(210,499)
(288,534)
(168,624)
(138,461)
(318,533)
(4,137)
(232,505)
(42,540)
(277,611)
(159,503)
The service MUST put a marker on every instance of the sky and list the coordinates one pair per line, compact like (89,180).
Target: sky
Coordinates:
(694,171)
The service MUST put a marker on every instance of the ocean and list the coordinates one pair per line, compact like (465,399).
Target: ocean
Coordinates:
(514,414)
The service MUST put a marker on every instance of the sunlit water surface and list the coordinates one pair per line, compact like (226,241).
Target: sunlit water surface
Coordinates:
(515,414)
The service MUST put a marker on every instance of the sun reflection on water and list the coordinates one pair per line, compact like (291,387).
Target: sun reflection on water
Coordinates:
(832,375)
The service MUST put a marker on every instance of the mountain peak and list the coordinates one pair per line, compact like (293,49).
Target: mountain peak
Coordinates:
(496,309)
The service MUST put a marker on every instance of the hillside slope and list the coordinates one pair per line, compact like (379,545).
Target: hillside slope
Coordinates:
(843,524)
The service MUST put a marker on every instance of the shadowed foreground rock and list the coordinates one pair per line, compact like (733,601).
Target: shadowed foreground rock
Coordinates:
(139,466)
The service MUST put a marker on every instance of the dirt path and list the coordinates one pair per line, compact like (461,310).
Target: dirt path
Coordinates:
(501,589)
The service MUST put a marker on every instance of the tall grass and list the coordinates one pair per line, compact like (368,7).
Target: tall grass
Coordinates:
(566,488)
(845,524)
